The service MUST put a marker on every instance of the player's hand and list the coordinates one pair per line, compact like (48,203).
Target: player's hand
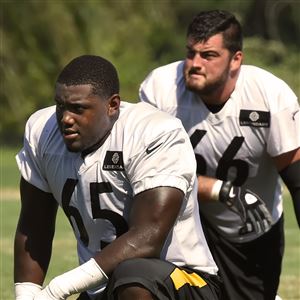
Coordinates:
(248,206)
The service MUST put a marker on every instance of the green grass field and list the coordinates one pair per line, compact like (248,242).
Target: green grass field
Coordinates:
(64,254)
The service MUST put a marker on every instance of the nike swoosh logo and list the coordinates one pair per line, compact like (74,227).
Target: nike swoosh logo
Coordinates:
(231,193)
(294,114)
(149,150)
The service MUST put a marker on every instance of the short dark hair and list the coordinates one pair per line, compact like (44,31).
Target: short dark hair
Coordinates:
(94,70)
(208,23)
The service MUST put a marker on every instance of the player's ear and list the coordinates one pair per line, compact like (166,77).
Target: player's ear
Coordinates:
(114,104)
(236,61)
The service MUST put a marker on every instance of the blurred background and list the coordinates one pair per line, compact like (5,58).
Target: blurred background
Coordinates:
(39,37)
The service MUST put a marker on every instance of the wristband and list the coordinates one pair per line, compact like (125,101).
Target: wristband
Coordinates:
(216,190)
(26,290)
(225,193)
(87,276)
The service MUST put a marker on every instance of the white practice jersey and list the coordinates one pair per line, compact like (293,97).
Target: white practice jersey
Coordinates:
(259,121)
(146,148)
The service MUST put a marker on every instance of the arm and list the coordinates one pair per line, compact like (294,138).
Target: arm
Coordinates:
(152,216)
(205,187)
(251,209)
(288,165)
(34,234)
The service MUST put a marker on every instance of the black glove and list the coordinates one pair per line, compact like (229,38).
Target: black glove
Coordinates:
(248,206)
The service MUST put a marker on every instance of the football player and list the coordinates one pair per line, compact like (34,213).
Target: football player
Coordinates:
(124,175)
(243,124)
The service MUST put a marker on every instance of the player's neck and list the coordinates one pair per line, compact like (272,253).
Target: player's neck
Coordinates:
(219,96)
(214,108)
(96,145)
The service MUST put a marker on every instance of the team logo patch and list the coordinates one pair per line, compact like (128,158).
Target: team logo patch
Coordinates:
(254,118)
(113,161)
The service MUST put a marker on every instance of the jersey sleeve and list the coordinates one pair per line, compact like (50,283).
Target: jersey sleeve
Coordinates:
(29,159)
(147,88)
(168,160)
(284,133)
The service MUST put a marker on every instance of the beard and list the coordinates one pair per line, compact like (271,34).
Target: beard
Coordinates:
(209,86)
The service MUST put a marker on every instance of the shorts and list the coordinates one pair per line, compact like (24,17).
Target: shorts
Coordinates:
(249,270)
(163,279)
